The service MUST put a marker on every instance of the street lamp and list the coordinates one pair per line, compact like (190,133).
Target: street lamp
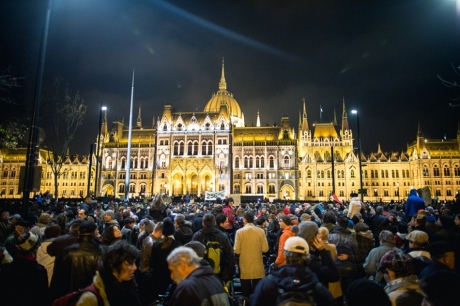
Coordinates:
(361,191)
(101,110)
(397,185)
(375,194)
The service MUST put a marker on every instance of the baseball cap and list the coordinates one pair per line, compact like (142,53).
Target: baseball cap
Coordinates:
(395,260)
(296,245)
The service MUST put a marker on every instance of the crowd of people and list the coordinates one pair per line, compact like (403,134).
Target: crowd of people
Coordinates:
(194,253)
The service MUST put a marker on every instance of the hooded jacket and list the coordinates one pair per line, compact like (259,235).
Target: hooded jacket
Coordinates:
(183,234)
(413,204)
(290,278)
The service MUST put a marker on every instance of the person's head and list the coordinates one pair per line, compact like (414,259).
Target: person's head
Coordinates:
(285,221)
(361,291)
(120,259)
(168,228)
(209,220)
(229,202)
(111,234)
(21,227)
(409,298)
(324,232)
(396,264)
(158,230)
(5,215)
(342,222)
(248,217)
(330,217)
(149,226)
(419,220)
(179,220)
(74,226)
(181,262)
(27,242)
(296,251)
(442,252)
(52,231)
(438,288)
(457,220)
(198,247)
(417,239)
(45,218)
(129,222)
(386,237)
(87,228)
(88,200)
(221,220)
(82,213)
(109,215)
(307,230)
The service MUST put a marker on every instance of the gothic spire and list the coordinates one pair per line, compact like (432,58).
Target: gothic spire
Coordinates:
(304,117)
(345,125)
(222,83)
(258,119)
(139,120)
(335,117)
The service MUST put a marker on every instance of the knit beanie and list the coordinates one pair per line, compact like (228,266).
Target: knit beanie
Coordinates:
(306,229)
(168,228)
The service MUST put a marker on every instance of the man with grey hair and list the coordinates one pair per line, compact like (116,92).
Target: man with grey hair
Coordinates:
(196,283)
(372,262)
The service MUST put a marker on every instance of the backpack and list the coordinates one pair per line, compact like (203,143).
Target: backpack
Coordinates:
(296,298)
(72,298)
(213,253)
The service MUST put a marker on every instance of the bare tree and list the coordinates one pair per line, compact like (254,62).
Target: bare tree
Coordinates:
(453,84)
(65,110)
(12,130)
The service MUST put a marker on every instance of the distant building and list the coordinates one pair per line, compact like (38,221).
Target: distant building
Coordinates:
(212,150)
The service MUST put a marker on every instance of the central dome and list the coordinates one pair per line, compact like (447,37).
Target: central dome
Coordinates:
(223,97)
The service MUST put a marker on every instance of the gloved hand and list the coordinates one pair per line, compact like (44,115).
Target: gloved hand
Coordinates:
(273,267)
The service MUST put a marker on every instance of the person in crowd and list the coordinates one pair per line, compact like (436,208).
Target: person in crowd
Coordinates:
(295,276)
(158,263)
(375,224)
(285,224)
(228,211)
(209,232)
(335,287)
(413,204)
(396,267)
(221,224)
(109,219)
(196,283)
(320,262)
(111,235)
(144,277)
(418,242)
(129,232)
(363,292)
(83,213)
(79,262)
(43,221)
(442,258)
(20,227)
(183,232)
(250,244)
(354,206)
(365,241)
(419,222)
(142,232)
(273,232)
(371,264)
(24,281)
(329,220)
(5,226)
(43,258)
(114,279)
(57,246)
(439,288)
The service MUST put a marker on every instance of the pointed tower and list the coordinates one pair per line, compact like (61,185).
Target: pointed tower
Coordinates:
(304,118)
(258,119)
(153,121)
(105,128)
(222,83)
(139,120)
(345,125)
(335,118)
(420,138)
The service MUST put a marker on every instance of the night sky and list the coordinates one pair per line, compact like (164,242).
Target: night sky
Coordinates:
(382,57)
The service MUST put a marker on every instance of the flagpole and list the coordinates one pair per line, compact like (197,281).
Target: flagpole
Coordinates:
(130,131)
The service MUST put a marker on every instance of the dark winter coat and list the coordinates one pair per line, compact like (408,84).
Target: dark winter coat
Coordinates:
(290,278)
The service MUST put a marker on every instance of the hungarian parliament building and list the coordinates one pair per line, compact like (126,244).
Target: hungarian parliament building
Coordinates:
(213,150)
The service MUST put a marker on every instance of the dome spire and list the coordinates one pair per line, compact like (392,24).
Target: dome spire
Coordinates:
(222,83)
(258,119)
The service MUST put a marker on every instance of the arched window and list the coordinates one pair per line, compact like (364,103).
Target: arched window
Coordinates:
(237,162)
(446,170)
(246,162)
(286,161)
(123,163)
(352,173)
(456,170)
(204,147)
(328,174)
(248,189)
(271,162)
(309,173)
(260,189)
(121,188)
(195,148)
(257,162)
(176,148)
(436,170)
(262,162)
(181,148)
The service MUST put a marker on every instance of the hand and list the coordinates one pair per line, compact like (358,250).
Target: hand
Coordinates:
(318,243)
(273,267)
(343,257)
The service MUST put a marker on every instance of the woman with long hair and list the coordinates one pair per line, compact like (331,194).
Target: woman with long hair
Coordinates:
(114,282)
(111,235)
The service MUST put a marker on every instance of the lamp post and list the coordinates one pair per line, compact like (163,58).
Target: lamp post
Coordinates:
(397,185)
(375,194)
(101,110)
(361,191)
